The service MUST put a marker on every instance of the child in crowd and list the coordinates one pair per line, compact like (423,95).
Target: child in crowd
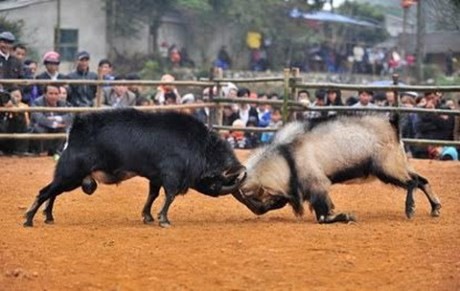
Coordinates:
(275,122)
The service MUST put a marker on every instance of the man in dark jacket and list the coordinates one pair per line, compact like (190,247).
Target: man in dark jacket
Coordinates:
(51,60)
(82,95)
(50,122)
(10,66)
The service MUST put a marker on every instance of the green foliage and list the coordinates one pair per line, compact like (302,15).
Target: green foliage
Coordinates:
(442,80)
(152,70)
(431,71)
(369,13)
(15,27)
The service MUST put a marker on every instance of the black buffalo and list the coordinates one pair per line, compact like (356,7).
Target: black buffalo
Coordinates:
(172,150)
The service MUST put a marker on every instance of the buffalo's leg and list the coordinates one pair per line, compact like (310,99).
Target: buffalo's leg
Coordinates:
(49,192)
(171,190)
(68,176)
(424,185)
(410,202)
(48,212)
(323,206)
(154,190)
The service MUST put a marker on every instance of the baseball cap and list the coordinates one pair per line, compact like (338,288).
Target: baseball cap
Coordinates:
(83,55)
(51,57)
(7,36)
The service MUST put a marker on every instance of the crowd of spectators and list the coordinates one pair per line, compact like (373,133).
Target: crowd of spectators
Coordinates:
(14,64)
(355,57)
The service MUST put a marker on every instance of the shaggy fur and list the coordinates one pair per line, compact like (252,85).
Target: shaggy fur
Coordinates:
(304,161)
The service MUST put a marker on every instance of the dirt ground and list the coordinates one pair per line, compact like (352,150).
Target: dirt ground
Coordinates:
(99,242)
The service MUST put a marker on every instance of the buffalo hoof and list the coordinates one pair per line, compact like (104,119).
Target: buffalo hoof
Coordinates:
(436,210)
(49,221)
(148,219)
(340,217)
(410,213)
(165,224)
(28,224)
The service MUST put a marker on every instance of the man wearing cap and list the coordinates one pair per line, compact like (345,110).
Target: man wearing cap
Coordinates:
(82,95)
(51,60)
(10,66)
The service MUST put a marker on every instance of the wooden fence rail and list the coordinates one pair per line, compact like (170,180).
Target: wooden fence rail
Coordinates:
(290,83)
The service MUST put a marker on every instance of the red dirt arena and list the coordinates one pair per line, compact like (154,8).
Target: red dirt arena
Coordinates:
(99,242)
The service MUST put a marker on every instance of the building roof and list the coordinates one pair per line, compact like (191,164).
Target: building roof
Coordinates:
(15,4)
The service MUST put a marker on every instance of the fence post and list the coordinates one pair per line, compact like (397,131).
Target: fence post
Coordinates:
(99,91)
(295,72)
(215,114)
(285,109)
(395,78)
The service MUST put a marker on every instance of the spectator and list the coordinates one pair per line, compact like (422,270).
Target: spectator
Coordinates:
(30,92)
(82,95)
(163,89)
(201,113)
(263,110)
(10,66)
(365,97)
(320,101)
(223,59)
(245,110)
(49,122)
(119,95)
(333,98)
(275,123)
(185,60)
(51,60)
(228,115)
(63,95)
(174,56)
(236,137)
(407,123)
(446,153)
(20,52)
(170,98)
(17,123)
(135,89)
(230,90)
(31,67)
(390,99)
(394,60)
(303,96)
(431,126)
(104,71)
(143,101)
(358,58)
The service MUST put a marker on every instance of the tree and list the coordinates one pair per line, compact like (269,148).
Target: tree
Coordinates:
(444,14)
(370,13)
(15,27)
(126,17)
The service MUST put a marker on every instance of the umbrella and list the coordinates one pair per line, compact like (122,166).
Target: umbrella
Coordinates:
(329,17)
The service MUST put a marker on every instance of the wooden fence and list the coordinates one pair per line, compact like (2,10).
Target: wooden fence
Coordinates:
(290,83)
